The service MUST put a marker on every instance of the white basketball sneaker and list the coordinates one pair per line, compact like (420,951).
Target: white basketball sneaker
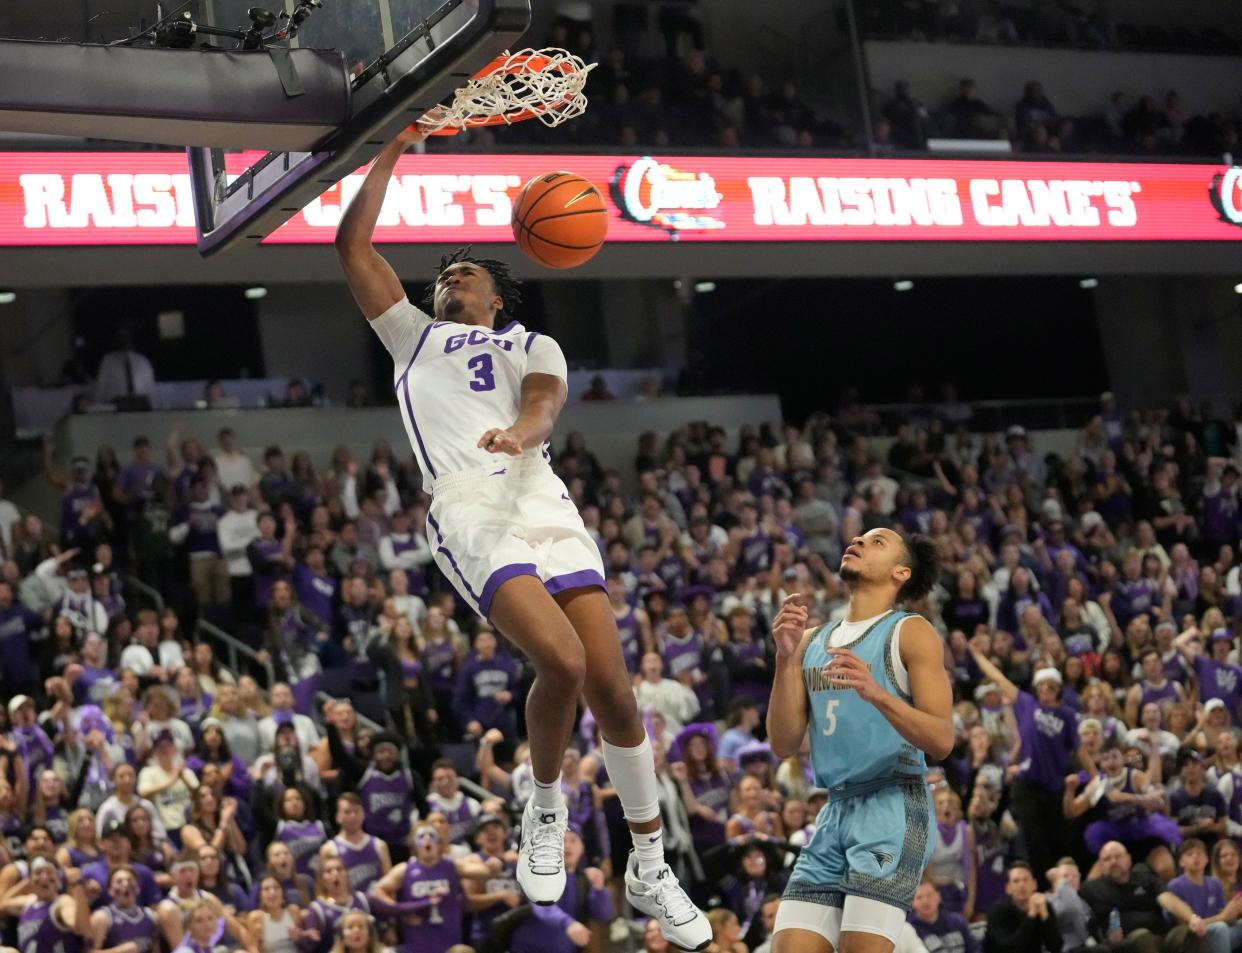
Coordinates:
(664,899)
(541,858)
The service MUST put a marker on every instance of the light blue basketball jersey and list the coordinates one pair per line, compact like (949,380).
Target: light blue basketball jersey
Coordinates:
(854,749)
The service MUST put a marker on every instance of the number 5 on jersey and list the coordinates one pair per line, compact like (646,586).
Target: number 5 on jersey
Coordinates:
(830,716)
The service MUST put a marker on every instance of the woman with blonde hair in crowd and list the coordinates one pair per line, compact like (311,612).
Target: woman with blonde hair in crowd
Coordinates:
(239,724)
(251,698)
(49,809)
(209,925)
(335,900)
(952,865)
(1225,768)
(159,715)
(80,847)
(726,932)
(358,935)
(795,775)
(751,819)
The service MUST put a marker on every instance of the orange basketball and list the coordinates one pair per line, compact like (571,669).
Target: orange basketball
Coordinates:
(559,220)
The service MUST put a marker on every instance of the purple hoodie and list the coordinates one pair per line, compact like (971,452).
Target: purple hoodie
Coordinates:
(478,682)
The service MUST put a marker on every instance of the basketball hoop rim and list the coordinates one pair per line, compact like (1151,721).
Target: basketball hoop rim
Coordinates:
(530,62)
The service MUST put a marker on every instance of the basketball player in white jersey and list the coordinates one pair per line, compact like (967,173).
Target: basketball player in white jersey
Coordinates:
(479,395)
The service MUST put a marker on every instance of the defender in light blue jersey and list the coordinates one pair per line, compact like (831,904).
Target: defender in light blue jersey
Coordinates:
(873,691)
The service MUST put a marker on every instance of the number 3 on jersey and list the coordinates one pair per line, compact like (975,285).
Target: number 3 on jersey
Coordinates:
(830,716)
(483,379)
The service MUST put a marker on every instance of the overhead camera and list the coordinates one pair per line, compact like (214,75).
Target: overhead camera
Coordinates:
(181,32)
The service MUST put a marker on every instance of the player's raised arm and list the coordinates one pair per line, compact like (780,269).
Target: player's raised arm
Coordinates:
(787,711)
(374,284)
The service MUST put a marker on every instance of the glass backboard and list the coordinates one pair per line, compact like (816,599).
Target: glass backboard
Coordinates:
(406,56)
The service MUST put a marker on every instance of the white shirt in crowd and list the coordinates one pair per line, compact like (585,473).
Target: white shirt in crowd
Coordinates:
(55,587)
(113,810)
(409,559)
(140,660)
(116,371)
(671,699)
(236,531)
(171,804)
(412,607)
(349,496)
(449,806)
(234,469)
(308,734)
(8,516)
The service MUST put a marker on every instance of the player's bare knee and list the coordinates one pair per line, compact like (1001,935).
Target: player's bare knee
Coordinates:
(613,705)
(565,667)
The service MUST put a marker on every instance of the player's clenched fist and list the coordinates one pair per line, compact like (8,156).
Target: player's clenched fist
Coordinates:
(789,624)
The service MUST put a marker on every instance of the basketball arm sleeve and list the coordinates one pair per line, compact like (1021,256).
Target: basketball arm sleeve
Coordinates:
(544,356)
(399,328)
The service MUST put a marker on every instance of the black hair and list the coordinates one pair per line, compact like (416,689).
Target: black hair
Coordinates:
(1019,865)
(923,558)
(739,706)
(506,285)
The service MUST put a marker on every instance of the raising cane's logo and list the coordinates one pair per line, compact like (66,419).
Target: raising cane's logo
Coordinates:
(653,193)
(1226,195)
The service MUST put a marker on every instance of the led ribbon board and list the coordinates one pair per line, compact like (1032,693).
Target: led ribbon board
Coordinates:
(118,198)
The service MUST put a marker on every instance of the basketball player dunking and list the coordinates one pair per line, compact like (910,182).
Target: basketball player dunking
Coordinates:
(874,691)
(479,395)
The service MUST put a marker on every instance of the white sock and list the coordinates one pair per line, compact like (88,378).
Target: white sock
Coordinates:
(649,849)
(547,796)
(632,773)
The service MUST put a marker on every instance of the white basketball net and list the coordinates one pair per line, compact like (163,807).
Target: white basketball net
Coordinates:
(550,90)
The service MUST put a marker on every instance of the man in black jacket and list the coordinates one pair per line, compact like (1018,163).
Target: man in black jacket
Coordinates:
(1023,922)
(1141,900)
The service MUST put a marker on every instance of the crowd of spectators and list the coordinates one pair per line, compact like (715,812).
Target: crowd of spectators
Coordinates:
(675,93)
(668,99)
(1148,125)
(1090,605)
(1089,24)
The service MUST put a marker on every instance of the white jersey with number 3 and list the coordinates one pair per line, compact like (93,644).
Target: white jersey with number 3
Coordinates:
(454,382)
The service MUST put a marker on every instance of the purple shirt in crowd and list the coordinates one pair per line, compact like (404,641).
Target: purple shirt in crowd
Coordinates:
(1049,737)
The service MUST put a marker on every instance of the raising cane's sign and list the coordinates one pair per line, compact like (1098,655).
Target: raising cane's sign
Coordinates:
(118,198)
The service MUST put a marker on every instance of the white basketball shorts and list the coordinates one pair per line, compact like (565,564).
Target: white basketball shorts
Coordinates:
(514,518)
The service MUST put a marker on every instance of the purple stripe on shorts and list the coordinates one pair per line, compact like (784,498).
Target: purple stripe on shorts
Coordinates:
(452,562)
(498,578)
(574,580)
(530,339)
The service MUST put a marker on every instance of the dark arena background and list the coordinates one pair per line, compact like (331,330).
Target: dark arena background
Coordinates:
(970,269)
